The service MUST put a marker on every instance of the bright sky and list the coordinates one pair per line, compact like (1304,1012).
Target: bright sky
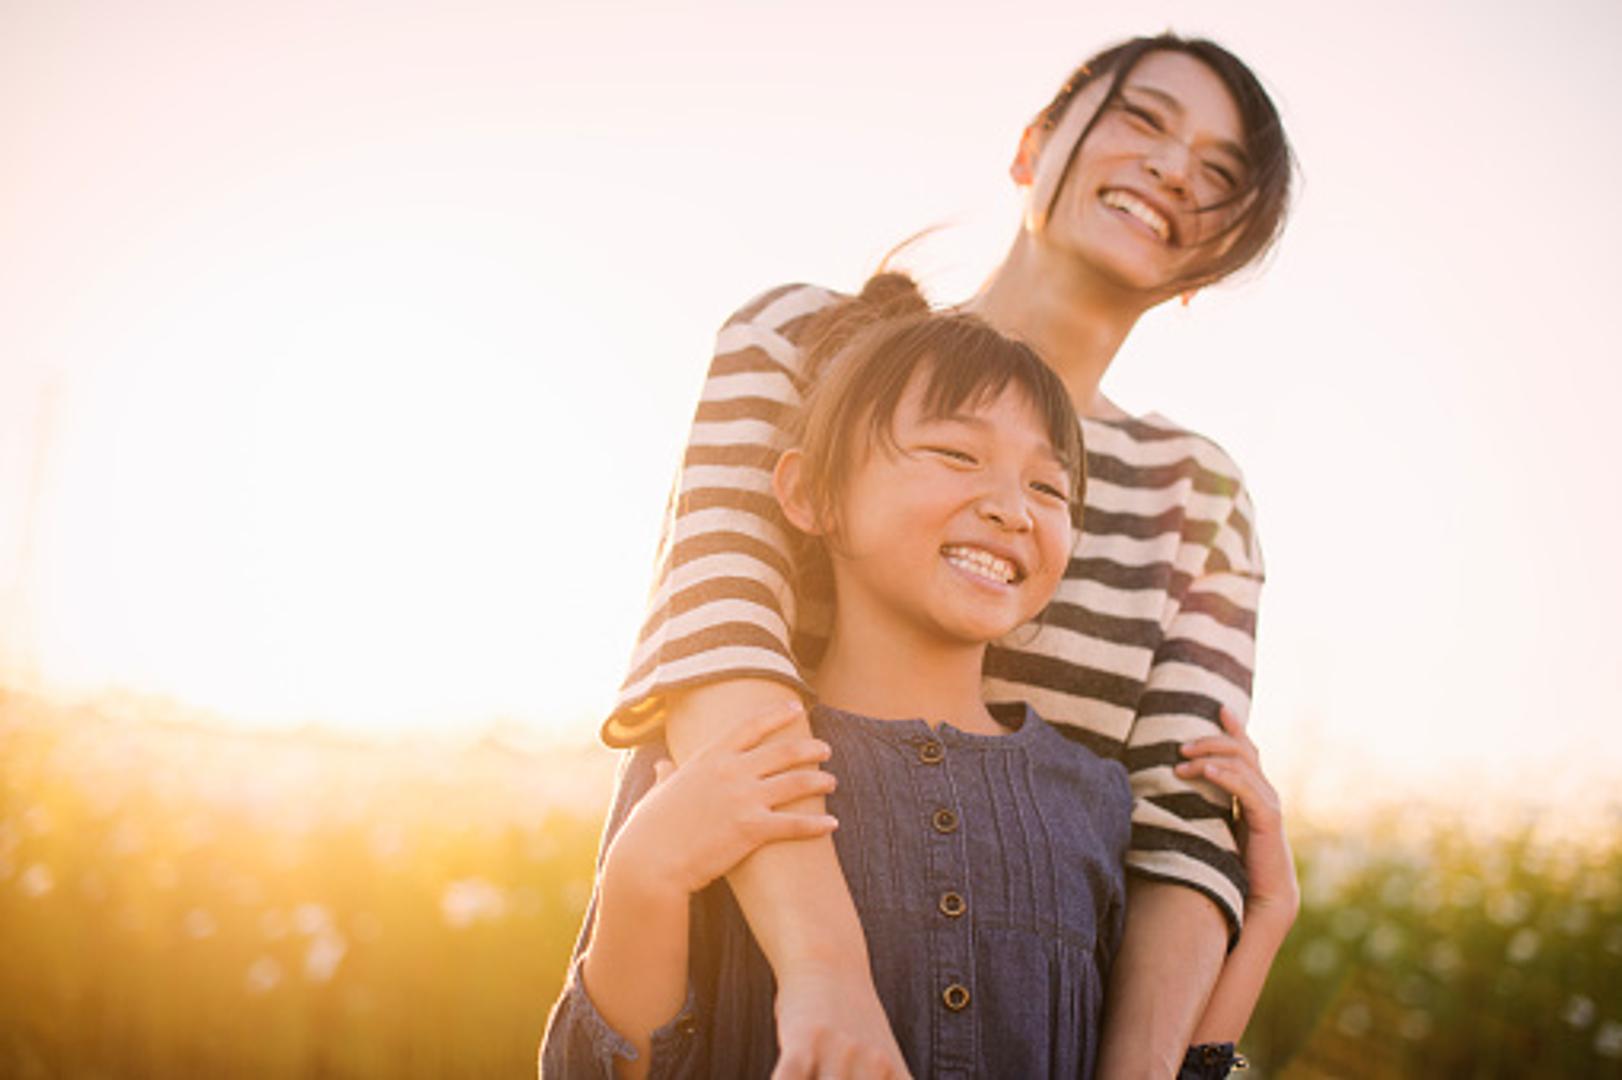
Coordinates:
(346,349)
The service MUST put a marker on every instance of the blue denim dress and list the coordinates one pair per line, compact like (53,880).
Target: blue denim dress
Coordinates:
(987,872)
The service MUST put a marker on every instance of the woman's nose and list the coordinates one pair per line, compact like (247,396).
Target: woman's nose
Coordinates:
(1169,163)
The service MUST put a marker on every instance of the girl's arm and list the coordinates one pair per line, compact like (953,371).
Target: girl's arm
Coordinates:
(692,826)
(1231,762)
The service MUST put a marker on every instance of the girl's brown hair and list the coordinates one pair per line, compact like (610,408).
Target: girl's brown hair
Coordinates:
(865,352)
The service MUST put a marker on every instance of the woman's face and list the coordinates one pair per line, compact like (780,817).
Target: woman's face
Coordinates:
(1135,203)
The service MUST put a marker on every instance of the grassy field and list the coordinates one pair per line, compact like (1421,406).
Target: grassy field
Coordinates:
(177,901)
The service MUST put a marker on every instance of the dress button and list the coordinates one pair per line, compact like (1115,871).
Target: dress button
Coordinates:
(931,753)
(952,904)
(944,821)
(956,997)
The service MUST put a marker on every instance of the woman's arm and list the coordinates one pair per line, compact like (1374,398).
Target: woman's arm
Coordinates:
(1232,763)
(1187,897)
(714,651)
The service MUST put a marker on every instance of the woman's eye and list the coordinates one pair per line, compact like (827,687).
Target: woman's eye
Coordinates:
(1223,175)
(1147,117)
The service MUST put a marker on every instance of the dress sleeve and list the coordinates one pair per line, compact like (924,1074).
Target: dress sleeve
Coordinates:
(1182,831)
(721,606)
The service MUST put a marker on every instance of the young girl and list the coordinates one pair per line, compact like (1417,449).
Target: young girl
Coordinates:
(938,464)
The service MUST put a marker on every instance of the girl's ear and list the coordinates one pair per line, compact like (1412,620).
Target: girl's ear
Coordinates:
(788,484)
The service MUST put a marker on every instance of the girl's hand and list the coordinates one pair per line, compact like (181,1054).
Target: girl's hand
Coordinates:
(700,820)
(1231,762)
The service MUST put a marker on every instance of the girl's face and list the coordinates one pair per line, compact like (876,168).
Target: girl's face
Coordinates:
(1135,203)
(961,531)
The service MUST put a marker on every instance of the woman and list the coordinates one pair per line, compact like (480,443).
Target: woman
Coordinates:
(1161,166)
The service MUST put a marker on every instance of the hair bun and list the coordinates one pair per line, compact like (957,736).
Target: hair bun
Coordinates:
(893,295)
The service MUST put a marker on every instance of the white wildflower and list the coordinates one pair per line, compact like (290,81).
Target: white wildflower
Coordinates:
(1355,1020)
(37,881)
(1319,957)
(263,975)
(1608,1040)
(1523,947)
(199,924)
(1579,1011)
(311,919)
(323,956)
(470,900)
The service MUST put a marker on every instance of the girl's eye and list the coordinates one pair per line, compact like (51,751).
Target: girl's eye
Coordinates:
(1052,491)
(951,454)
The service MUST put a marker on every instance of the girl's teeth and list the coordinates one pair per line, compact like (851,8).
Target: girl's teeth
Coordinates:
(981,563)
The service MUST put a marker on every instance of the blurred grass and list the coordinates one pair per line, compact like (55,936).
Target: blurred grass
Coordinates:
(180,901)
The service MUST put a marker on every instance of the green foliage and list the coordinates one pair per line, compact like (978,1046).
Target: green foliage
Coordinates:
(180,901)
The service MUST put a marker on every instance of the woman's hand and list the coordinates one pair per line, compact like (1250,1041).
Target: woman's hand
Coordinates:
(1232,763)
(700,820)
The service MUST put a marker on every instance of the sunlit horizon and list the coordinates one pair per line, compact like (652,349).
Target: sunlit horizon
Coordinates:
(347,363)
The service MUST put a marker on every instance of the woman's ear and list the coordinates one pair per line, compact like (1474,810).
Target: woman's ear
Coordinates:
(788,484)
(1023,167)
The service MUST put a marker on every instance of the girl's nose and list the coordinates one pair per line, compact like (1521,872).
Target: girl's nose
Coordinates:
(1004,506)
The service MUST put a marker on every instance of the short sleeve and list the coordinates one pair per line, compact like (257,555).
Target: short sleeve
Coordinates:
(1182,829)
(722,606)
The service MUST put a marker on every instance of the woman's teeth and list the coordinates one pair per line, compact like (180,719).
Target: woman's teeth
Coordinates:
(981,563)
(1125,200)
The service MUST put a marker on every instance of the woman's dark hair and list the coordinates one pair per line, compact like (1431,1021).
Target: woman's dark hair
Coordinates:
(865,352)
(1263,198)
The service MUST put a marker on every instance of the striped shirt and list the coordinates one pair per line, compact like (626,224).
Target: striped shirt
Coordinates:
(1152,629)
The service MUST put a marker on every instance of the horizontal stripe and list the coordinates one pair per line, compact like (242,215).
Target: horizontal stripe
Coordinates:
(770,385)
(776,413)
(1187,806)
(1161,702)
(724,477)
(1065,711)
(1183,472)
(755,503)
(745,432)
(728,543)
(753,457)
(716,638)
(706,611)
(1197,656)
(741,336)
(1228,894)
(1141,633)
(1053,673)
(1222,610)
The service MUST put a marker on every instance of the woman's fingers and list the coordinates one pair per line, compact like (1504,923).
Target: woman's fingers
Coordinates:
(784,754)
(756,730)
(787,825)
(1238,778)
